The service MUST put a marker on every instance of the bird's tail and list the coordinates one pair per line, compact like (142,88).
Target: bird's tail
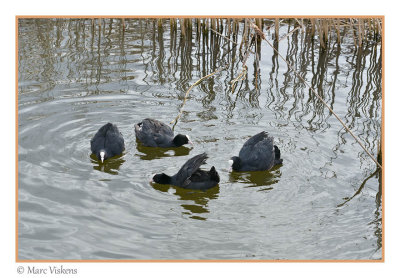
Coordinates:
(214,174)
(278,159)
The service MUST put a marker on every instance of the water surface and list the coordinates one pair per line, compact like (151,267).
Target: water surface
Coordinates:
(324,202)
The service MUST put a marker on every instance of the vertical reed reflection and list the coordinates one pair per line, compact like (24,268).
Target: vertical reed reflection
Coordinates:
(194,52)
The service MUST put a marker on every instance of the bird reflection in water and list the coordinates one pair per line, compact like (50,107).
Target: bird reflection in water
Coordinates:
(149,153)
(110,166)
(262,179)
(199,208)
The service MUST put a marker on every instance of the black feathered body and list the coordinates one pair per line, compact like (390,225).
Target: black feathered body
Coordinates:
(153,133)
(258,154)
(108,139)
(190,175)
(203,179)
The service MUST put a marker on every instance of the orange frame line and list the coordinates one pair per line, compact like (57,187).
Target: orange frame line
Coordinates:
(201,261)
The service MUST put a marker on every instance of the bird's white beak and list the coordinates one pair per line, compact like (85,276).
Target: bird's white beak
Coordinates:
(230,165)
(190,142)
(102,154)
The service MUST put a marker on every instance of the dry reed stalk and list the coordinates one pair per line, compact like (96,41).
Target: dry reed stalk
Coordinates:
(175,121)
(363,29)
(257,66)
(249,39)
(247,52)
(353,32)
(205,26)
(370,26)
(325,28)
(259,23)
(176,22)
(379,27)
(220,24)
(223,36)
(321,34)
(236,26)
(360,32)
(337,27)
(213,23)
(240,77)
(228,32)
(277,29)
(182,25)
(312,21)
(376,26)
(318,96)
(300,23)
(244,36)
(288,34)
(198,25)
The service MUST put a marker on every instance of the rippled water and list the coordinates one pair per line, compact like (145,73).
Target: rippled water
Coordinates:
(324,202)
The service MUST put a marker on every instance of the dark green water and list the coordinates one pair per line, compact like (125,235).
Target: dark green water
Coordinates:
(322,203)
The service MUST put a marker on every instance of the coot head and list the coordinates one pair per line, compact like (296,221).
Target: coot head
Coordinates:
(181,139)
(162,178)
(234,162)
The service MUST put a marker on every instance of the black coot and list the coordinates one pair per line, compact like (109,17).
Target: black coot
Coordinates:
(153,133)
(258,154)
(190,176)
(107,142)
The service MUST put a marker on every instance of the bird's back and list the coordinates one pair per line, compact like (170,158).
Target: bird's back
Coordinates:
(203,180)
(109,138)
(154,133)
(258,153)
(114,141)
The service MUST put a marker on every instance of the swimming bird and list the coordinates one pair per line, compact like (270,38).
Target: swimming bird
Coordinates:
(190,176)
(258,154)
(153,133)
(107,142)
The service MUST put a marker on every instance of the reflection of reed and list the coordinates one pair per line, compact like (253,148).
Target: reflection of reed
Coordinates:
(378,198)
(195,51)
(364,97)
